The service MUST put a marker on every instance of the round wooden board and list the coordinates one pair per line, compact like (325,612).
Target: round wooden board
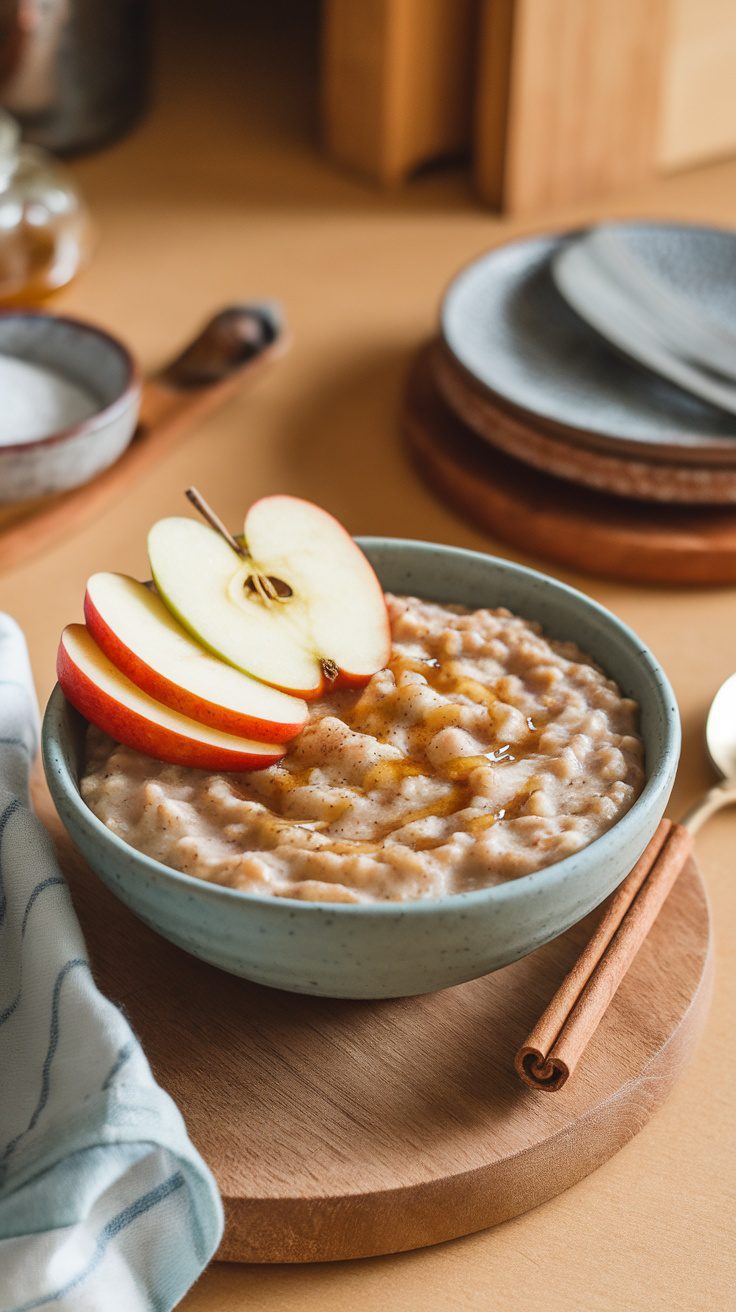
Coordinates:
(576,526)
(349,1129)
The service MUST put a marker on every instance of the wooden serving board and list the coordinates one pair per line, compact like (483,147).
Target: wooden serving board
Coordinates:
(347,1129)
(554,518)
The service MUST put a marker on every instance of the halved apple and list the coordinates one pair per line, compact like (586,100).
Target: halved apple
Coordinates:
(330,621)
(101,693)
(138,633)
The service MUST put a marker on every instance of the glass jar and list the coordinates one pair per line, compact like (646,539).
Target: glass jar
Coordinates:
(45,233)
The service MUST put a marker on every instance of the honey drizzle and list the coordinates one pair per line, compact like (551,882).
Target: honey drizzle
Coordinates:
(443,677)
(478,824)
(385,774)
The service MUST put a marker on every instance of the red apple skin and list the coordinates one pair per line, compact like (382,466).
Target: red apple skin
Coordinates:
(344,678)
(180,699)
(132,729)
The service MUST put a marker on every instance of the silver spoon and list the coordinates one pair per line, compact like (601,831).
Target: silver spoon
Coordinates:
(720,739)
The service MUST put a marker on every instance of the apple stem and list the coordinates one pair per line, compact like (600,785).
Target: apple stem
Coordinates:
(263,586)
(213,519)
(329,669)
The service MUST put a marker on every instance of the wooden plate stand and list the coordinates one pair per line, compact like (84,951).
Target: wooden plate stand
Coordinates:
(348,1129)
(554,518)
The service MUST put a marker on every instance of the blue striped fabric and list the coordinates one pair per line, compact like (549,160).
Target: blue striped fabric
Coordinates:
(105,1206)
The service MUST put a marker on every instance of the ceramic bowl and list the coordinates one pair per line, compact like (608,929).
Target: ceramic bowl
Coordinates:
(94,361)
(396,949)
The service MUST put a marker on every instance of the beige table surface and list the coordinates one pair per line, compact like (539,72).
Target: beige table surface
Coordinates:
(221,195)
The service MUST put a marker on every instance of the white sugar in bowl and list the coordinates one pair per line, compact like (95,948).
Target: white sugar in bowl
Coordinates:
(69,402)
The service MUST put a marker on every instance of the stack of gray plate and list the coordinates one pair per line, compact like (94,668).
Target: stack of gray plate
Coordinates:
(605,357)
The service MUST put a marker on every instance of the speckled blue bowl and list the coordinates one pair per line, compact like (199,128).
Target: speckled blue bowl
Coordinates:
(392,950)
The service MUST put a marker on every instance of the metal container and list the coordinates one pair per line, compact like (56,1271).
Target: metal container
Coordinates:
(73,72)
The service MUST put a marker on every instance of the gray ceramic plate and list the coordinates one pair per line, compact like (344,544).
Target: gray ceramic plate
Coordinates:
(507,325)
(615,277)
(379,950)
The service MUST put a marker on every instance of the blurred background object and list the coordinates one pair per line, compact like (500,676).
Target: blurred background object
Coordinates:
(397,86)
(45,233)
(73,72)
(551,102)
(568,98)
(556,101)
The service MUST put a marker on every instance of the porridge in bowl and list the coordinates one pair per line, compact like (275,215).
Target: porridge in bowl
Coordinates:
(482,752)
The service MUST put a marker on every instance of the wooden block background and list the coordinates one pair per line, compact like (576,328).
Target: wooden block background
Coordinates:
(397,82)
(557,101)
(698,103)
(568,99)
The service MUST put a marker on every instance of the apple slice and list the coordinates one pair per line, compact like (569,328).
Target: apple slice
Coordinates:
(348,621)
(330,621)
(138,633)
(101,693)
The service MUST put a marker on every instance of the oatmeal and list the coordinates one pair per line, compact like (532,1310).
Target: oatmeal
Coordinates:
(482,752)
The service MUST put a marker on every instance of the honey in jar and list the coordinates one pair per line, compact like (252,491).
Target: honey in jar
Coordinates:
(44,226)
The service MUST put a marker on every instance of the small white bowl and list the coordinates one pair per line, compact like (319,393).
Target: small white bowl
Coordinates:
(96,362)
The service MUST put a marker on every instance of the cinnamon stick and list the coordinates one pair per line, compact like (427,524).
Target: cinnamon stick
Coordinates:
(550,1053)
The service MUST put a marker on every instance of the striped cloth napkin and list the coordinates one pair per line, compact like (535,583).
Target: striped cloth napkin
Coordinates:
(105,1206)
